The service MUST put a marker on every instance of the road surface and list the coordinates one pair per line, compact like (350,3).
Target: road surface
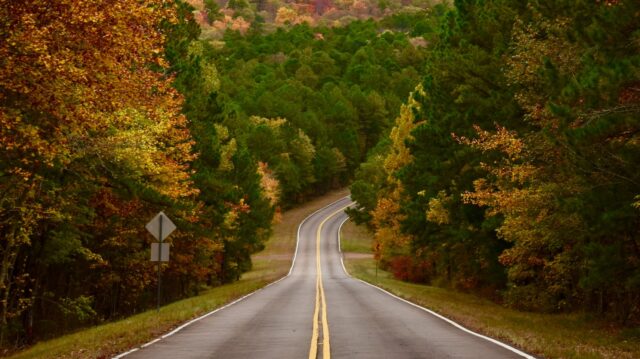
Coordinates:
(318,311)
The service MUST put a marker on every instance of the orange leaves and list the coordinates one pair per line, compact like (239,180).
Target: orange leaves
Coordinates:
(67,63)
(229,20)
(232,217)
(78,82)
(502,140)
(387,218)
(108,204)
(92,143)
(502,193)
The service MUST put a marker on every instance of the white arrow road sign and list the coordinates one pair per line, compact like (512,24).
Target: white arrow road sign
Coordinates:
(154,226)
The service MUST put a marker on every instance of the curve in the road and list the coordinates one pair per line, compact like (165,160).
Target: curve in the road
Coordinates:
(365,321)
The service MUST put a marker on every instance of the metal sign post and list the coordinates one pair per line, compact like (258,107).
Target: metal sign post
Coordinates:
(159,261)
(160,227)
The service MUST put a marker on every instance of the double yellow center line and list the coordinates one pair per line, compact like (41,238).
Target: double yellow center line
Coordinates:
(321,303)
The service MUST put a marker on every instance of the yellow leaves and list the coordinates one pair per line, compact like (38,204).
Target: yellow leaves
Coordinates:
(25,142)
(533,44)
(92,257)
(386,217)
(195,49)
(305,150)
(84,110)
(227,150)
(273,123)
(208,69)
(134,143)
(502,140)
(399,155)
(230,220)
(386,220)
(235,210)
(74,63)
(145,148)
(226,155)
(286,15)
(222,132)
(289,16)
(341,160)
(269,183)
(437,211)
(211,77)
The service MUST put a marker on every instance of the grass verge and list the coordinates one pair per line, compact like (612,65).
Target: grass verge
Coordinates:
(109,339)
(574,335)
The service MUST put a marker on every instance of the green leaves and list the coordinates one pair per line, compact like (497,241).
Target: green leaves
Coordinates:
(342,102)
(541,205)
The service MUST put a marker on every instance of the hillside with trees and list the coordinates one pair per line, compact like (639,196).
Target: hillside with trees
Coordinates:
(492,146)
(111,111)
(512,170)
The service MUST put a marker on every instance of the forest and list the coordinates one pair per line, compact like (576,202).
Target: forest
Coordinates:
(111,111)
(512,169)
(492,146)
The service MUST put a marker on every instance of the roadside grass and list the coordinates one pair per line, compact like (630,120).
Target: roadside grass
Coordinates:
(575,335)
(355,239)
(107,340)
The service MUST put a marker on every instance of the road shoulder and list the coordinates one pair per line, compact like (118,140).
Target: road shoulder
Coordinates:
(547,335)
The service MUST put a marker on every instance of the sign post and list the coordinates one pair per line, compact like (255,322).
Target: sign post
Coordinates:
(160,227)
(160,238)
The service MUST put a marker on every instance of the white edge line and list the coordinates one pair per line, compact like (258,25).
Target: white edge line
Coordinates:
(293,262)
(151,342)
(459,326)
(340,246)
(295,254)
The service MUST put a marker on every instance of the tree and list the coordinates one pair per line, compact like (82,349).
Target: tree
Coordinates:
(86,114)
(563,230)
(523,174)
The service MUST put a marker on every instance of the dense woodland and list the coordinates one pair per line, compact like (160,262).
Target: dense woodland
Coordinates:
(512,170)
(113,110)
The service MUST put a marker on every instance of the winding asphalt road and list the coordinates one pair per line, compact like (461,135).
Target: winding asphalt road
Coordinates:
(318,311)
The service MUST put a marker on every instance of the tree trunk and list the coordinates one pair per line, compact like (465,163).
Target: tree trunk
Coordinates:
(8,260)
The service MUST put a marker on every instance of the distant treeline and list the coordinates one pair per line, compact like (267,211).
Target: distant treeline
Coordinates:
(514,168)
(108,116)
(309,102)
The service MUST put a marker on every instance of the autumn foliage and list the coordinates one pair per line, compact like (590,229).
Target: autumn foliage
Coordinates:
(92,144)
(519,175)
